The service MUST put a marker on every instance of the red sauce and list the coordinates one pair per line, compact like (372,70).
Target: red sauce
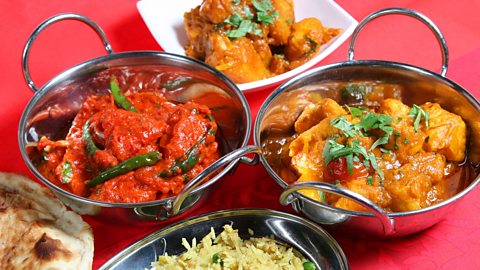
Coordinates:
(159,125)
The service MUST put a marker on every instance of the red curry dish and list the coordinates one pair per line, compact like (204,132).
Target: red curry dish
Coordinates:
(131,147)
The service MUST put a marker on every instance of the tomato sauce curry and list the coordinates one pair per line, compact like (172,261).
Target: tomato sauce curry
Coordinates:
(131,147)
(401,157)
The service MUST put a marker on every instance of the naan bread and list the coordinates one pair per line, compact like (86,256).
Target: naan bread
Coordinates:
(37,231)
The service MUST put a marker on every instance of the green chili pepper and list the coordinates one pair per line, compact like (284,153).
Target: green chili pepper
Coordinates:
(192,158)
(126,166)
(309,266)
(119,97)
(90,146)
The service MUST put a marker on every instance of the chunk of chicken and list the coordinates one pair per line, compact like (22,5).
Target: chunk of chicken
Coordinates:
(412,184)
(304,41)
(280,30)
(447,133)
(405,141)
(216,11)
(314,113)
(195,28)
(375,193)
(394,108)
(237,58)
(306,150)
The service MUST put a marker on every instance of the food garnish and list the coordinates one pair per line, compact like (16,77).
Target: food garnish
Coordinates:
(417,113)
(148,159)
(90,146)
(119,97)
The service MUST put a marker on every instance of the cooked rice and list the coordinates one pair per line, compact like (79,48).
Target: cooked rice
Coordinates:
(229,251)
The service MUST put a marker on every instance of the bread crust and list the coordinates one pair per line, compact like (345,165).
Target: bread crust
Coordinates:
(37,231)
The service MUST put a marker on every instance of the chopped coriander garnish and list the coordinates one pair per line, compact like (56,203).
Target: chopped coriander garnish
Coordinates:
(345,126)
(248,13)
(385,150)
(313,45)
(265,13)
(67,172)
(236,2)
(356,111)
(395,137)
(354,150)
(370,180)
(417,113)
(246,26)
(216,259)
(234,20)
(406,140)
(248,23)
(288,22)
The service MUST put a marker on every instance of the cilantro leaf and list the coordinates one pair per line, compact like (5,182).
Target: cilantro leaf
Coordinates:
(341,123)
(216,259)
(417,113)
(370,180)
(67,172)
(245,27)
(356,112)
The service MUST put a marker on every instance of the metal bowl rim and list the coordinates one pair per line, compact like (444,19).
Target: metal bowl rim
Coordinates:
(123,55)
(230,213)
(368,64)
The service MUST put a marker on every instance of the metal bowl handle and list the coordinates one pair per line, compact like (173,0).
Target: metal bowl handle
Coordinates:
(237,154)
(287,197)
(42,26)
(408,12)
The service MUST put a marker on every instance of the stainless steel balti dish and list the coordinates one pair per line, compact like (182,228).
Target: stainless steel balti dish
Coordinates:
(54,105)
(418,86)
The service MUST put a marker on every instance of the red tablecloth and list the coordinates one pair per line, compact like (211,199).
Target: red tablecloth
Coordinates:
(452,244)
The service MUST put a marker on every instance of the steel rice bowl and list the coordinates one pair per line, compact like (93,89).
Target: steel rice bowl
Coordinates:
(304,236)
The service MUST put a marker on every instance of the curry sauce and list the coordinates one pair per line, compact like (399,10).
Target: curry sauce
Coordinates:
(130,146)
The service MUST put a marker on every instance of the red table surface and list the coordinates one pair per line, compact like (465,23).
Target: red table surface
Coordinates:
(454,243)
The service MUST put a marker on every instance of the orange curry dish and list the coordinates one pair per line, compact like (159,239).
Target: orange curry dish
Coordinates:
(402,158)
(131,147)
(250,40)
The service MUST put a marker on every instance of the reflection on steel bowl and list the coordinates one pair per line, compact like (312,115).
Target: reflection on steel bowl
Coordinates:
(418,207)
(189,102)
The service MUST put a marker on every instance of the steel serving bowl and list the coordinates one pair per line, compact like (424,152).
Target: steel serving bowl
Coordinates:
(54,105)
(418,86)
(304,236)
